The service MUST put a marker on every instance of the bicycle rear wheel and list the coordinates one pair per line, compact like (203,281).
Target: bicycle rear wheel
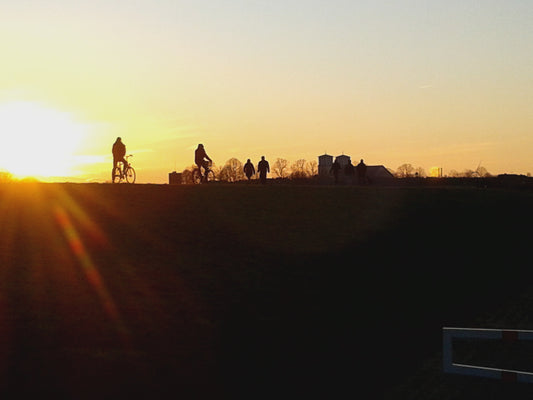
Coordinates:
(130,175)
(115,176)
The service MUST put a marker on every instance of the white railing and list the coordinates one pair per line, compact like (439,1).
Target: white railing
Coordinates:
(507,335)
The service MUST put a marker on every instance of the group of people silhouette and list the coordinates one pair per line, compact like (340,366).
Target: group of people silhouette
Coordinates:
(350,171)
(201,159)
(203,162)
(263,168)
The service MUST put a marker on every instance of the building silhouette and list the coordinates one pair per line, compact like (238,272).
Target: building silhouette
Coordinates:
(325,162)
(374,173)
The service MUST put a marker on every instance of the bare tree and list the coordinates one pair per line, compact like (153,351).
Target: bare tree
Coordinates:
(405,171)
(468,173)
(280,167)
(216,171)
(420,172)
(186,175)
(482,172)
(298,169)
(312,168)
(232,171)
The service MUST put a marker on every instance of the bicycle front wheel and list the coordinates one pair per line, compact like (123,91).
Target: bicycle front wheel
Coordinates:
(210,177)
(196,176)
(115,176)
(130,175)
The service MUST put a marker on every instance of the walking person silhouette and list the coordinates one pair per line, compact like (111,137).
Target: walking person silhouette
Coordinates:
(249,169)
(263,168)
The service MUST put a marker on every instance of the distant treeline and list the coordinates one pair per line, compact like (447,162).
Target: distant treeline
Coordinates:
(7,177)
(232,171)
(504,181)
(303,170)
(408,171)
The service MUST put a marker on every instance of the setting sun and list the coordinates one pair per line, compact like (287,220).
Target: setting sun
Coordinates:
(37,141)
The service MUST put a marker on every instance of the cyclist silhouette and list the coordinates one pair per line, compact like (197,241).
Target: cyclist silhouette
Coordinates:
(119,151)
(201,159)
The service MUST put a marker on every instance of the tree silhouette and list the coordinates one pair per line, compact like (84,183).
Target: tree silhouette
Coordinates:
(482,172)
(312,168)
(232,171)
(405,171)
(421,172)
(468,173)
(186,175)
(298,169)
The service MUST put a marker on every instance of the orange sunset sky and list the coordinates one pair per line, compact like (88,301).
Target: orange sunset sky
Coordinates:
(430,83)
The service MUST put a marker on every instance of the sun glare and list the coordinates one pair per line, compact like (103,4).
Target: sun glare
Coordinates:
(37,141)
(435,172)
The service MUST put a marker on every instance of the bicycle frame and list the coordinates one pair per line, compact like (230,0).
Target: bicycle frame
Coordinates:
(127,165)
(122,170)
(198,171)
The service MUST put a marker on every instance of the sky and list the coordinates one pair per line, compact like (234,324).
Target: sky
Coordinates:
(431,83)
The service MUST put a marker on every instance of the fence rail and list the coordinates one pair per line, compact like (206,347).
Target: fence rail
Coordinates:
(506,335)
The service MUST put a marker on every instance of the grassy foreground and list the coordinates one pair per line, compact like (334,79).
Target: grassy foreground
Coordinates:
(235,291)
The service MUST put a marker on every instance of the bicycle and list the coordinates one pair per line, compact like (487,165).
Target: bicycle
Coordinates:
(198,178)
(126,173)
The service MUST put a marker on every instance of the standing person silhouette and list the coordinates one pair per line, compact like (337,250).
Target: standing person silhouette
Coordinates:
(119,151)
(249,169)
(361,172)
(335,168)
(349,171)
(202,160)
(263,167)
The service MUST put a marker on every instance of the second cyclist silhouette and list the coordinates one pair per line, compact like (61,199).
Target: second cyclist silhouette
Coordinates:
(202,160)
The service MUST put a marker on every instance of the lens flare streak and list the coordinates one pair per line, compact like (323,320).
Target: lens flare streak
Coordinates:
(88,267)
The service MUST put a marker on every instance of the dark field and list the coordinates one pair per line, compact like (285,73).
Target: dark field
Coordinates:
(236,291)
